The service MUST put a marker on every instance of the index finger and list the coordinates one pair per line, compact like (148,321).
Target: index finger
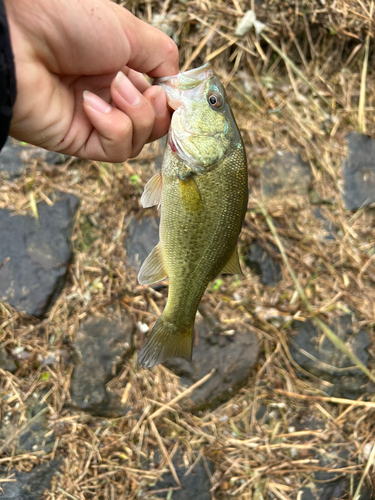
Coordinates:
(151,51)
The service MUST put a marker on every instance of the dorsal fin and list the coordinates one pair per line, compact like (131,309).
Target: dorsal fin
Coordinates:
(152,269)
(152,193)
(233,264)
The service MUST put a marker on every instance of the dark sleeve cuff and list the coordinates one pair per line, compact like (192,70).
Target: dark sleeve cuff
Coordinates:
(7,77)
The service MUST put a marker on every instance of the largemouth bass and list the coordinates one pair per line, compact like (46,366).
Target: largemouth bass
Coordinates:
(202,190)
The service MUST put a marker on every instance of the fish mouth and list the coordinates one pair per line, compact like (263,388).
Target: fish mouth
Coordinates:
(175,85)
(188,85)
(196,75)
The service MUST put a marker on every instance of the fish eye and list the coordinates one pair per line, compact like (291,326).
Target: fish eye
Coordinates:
(215,100)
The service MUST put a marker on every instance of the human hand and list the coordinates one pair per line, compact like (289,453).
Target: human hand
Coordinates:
(69,99)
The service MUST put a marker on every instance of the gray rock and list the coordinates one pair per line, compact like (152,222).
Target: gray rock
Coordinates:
(324,360)
(359,171)
(35,254)
(326,485)
(100,347)
(5,362)
(195,486)
(143,235)
(15,157)
(337,488)
(333,485)
(29,485)
(32,433)
(264,264)
(232,355)
(329,229)
(285,174)
(307,494)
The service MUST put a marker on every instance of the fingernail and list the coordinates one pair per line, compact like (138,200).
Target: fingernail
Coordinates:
(96,102)
(126,89)
(159,102)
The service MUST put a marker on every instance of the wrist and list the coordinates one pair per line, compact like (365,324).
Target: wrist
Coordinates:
(7,76)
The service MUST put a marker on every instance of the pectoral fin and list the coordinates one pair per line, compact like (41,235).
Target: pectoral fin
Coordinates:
(191,197)
(152,269)
(152,193)
(233,264)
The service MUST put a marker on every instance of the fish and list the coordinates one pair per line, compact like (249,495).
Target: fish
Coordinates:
(202,192)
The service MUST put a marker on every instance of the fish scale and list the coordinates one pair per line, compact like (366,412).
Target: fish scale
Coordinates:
(188,251)
(203,196)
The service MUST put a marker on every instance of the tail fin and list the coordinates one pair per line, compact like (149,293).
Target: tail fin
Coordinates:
(166,341)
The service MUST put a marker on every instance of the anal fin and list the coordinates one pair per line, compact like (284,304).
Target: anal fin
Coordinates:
(233,264)
(152,269)
(152,193)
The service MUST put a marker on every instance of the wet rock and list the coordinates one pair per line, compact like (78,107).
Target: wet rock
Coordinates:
(261,261)
(261,413)
(28,485)
(307,494)
(99,349)
(325,485)
(332,485)
(143,235)
(196,485)
(35,254)
(324,360)
(336,489)
(33,434)
(285,174)
(328,228)
(16,156)
(7,363)
(359,171)
(232,353)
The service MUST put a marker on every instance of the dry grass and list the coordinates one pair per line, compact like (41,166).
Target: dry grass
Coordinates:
(306,94)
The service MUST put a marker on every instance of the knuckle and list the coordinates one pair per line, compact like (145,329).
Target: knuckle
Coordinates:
(144,120)
(117,156)
(171,50)
(120,147)
(136,152)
